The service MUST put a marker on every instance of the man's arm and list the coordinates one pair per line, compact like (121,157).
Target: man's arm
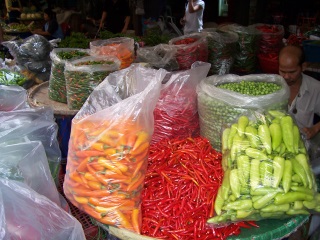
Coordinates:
(193,7)
(126,24)
(103,19)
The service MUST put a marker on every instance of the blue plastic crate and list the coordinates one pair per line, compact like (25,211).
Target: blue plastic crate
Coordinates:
(312,50)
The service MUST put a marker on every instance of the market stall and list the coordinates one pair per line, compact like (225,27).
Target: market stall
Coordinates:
(161,144)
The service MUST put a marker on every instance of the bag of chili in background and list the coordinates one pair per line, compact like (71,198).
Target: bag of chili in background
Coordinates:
(84,74)
(108,147)
(57,83)
(176,112)
(222,48)
(223,98)
(245,59)
(159,56)
(190,48)
(264,159)
(120,47)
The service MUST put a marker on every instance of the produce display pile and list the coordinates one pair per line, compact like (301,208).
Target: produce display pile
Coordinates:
(267,170)
(8,77)
(182,180)
(271,38)
(57,83)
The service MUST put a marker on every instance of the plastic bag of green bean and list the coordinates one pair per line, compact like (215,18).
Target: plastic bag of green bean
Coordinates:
(222,48)
(222,99)
(84,74)
(57,84)
(245,59)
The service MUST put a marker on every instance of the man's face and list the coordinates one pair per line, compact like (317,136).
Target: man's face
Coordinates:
(290,70)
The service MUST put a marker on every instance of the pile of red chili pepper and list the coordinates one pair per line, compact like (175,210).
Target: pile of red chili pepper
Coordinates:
(176,113)
(181,184)
(295,40)
(190,49)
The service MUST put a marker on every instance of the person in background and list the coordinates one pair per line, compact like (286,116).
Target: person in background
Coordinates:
(14,9)
(193,17)
(115,16)
(51,29)
(1,35)
(92,19)
(304,101)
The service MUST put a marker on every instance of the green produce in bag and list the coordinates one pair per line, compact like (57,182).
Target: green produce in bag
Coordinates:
(222,99)
(269,180)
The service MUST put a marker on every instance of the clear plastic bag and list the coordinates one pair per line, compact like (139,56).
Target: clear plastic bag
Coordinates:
(57,84)
(109,144)
(190,48)
(84,74)
(120,47)
(218,107)
(267,170)
(159,56)
(176,112)
(12,98)
(33,124)
(27,162)
(27,215)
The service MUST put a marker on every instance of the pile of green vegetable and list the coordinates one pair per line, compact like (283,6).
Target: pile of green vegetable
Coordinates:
(75,40)
(57,84)
(8,77)
(267,171)
(107,35)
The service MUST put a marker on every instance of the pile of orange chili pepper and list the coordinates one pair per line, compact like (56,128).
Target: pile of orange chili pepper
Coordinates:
(105,171)
(181,184)
(190,50)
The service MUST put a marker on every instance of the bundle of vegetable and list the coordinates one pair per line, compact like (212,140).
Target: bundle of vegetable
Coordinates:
(57,83)
(121,47)
(181,183)
(222,99)
(190,48)
(105,171)
(222,48)
(84,74)
(8,77)
(176,112)
(271,38)
(245,58)
(267,171)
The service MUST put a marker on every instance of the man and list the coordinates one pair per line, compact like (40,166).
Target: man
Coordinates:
(115,16)
(193,18)
(304,101)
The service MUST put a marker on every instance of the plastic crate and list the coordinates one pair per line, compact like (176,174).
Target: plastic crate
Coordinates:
(311,50)
(91,231)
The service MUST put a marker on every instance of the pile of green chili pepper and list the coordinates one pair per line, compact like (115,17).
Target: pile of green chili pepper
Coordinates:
(181,183)
(267,171)
(190,49)
(57,84)
(80,83)
(8,77)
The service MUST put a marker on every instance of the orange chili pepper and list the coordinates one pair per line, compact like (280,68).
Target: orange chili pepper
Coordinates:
(135,219)
(82,200)
(109,165)
(142,148)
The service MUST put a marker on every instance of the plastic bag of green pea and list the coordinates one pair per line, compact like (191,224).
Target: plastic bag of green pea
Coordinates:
(57,84)
(84,74)
(267,172)
(222,99)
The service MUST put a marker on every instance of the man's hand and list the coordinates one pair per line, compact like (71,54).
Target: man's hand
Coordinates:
(310,132)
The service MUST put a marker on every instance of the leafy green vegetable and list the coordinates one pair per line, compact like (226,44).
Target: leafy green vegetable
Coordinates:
(8,77)
(75,40)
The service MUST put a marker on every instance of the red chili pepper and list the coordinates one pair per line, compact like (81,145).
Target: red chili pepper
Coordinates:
(180,189)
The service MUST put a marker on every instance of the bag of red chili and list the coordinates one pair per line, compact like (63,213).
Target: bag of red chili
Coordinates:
(271,37)
(190,48)
(176,112)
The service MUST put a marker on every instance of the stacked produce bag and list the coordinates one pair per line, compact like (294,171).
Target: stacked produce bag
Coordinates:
(57,83)
(245,59)
(267,170)
(222,99)
(121,47)
(221,49)
(84,74)
(108,147)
